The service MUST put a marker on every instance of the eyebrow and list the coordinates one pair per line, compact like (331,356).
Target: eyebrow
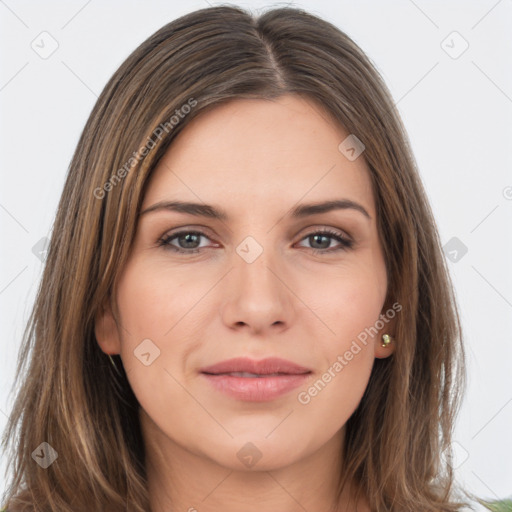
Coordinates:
(300,211)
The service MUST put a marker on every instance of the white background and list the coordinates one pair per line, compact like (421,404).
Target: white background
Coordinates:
(457,112)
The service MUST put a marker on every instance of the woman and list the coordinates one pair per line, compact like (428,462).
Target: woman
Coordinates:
(243,232)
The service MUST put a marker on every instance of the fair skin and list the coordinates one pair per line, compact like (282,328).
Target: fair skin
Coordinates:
(256,160)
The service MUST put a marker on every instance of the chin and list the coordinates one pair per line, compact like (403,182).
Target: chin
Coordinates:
(253,454)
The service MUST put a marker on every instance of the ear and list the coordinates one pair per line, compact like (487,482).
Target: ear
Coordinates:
(389,328)
(106,330)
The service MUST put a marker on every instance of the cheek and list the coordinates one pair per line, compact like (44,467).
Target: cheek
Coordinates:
(163,320)
(334,392)
(348,303)
(151,305)
(336,389)
(152,300)
(148,307)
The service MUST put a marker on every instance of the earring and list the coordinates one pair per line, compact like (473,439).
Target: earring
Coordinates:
(114,365)
(386,340)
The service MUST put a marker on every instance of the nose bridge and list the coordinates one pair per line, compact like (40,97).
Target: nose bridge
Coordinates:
(256,264)
(256,295)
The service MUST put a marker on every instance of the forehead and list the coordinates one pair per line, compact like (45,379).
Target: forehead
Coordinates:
(266,152)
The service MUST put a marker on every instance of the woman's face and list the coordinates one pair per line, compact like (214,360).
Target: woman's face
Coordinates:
(250,272)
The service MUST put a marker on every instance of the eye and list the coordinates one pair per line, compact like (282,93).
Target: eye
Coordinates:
(320,238)
(189,242)
(188,239)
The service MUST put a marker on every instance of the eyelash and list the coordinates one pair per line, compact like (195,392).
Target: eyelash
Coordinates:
(345,243)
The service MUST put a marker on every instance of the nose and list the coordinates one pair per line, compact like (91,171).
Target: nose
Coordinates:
(257,297)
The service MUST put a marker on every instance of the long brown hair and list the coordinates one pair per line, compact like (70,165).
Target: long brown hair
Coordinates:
(397,442)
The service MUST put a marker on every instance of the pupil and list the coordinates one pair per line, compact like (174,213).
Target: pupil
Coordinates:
(188,240)
(315,237)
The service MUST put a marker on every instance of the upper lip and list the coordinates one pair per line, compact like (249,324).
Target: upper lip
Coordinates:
(266,366)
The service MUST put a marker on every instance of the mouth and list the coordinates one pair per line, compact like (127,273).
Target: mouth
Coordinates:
(271,366)
(248,374)
(255,381)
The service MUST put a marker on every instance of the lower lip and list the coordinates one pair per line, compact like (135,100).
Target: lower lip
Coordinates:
(256,389)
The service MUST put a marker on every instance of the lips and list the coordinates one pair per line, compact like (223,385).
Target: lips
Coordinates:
(266,367)
(255,381)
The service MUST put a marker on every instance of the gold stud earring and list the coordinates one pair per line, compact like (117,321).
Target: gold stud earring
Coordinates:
(386,340)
